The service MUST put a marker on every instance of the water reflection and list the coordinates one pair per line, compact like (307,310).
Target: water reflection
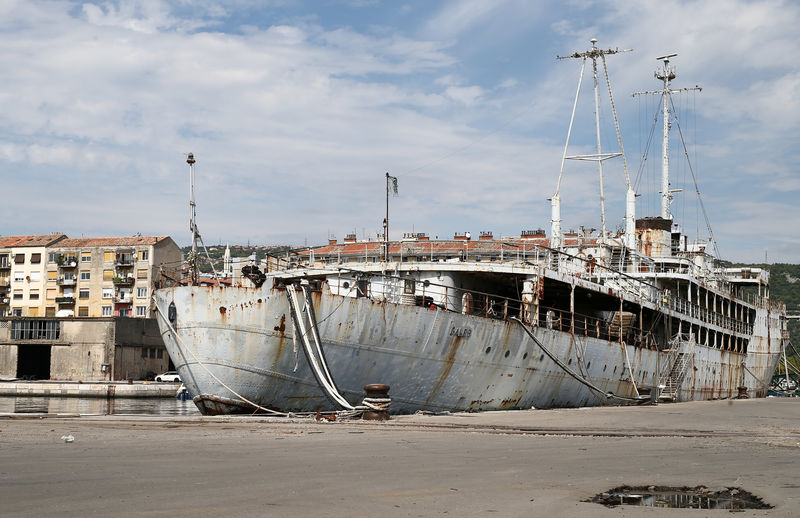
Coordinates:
(103,406)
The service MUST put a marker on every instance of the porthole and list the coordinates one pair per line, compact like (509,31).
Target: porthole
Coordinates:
(345,285)
(507,353)
(488,350)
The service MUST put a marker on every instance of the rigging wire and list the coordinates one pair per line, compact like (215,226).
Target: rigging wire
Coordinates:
(696,187)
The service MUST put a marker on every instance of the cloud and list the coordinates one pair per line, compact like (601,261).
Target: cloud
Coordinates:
(295,116)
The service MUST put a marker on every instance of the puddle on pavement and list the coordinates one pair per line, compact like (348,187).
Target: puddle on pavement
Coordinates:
(700,497)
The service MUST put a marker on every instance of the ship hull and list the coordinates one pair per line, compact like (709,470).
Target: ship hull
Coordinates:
(235,348)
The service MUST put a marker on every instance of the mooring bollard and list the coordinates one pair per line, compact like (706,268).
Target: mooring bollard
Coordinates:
(377,398)
(742,393)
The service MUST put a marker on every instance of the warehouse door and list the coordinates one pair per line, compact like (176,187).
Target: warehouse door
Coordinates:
(33,362)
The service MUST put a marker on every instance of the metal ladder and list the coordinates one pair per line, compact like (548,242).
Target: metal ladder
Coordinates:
(680,358)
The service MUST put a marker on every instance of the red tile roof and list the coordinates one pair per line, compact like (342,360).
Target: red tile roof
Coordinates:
(113,241)
(436,247)
(34,240)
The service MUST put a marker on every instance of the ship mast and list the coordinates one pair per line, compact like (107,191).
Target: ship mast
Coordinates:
(194,255)
(192,222)
(666,75)
(630,238)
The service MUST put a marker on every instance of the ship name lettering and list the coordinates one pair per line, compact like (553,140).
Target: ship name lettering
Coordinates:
(466,332)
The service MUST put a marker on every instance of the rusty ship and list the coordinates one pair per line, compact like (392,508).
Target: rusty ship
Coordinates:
(565,320)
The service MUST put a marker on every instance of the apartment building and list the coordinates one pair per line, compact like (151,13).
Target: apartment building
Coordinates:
(23,262)
(52,275)
(104,277)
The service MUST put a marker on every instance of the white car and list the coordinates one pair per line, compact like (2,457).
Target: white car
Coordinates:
(169,376)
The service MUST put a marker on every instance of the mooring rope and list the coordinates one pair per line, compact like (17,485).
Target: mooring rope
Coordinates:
(367,404)
(608,395)
(203,365)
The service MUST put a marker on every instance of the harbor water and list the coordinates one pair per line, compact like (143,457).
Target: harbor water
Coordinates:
(96,405)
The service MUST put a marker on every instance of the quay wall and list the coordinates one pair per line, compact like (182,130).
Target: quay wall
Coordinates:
(81,349)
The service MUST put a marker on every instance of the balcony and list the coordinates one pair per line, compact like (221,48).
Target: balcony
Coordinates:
(125,280)
(65,300)
(5,282)
(66,281)
(123,299)
(67,261)
(124,260)
(5,265)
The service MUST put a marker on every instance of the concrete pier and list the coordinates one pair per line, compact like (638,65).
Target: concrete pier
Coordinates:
(88,389)
(524,463)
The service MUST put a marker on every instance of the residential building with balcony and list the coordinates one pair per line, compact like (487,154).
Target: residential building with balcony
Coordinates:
(109,276)
(23,276)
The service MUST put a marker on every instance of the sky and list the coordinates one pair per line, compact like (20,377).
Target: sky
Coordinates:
(295,111)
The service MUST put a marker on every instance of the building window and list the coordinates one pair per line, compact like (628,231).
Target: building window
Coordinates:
(83,311)
(35,329)
(19,276)
(52,257)
(141,293)
(160,353)
(125,312)
(108,293)
(36,276)
(144,352)
(141,311)
(50,311)
(86,257)
(36,258)
(33,312)
(86,275)
(52,275)
(108,257)
(19,259)
(152,352)
(17,312)
(51,293)
(143,255)
(108,275)
(33,295)
(17,294)
(141,274)
(107,311)
(83,293)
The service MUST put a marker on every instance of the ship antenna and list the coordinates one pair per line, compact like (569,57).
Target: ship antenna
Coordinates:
(666,74)
(594,53)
